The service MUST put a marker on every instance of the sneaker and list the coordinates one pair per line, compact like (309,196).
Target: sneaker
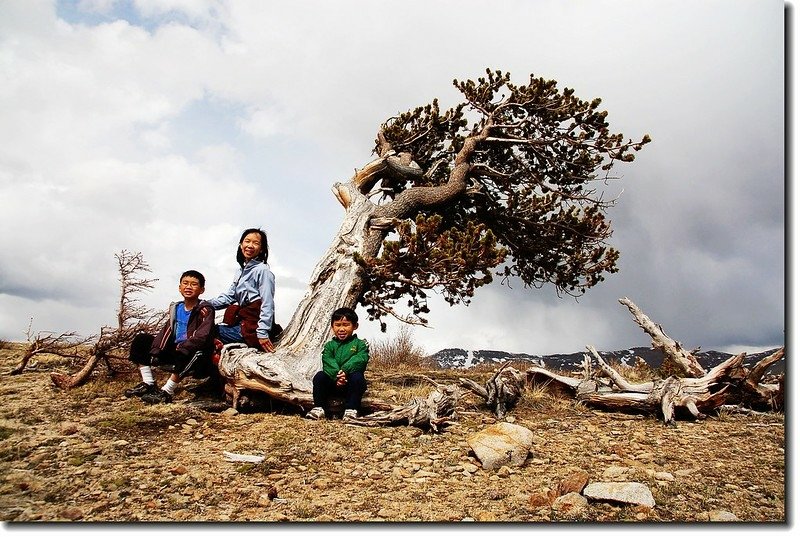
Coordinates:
(350,413)
(140,389)
(158,396)
(316,413)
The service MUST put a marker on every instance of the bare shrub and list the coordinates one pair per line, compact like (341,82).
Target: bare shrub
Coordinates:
(399,353)
(66,345)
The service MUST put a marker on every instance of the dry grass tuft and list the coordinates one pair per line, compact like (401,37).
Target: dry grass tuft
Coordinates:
(540,399)
(399,354)
(638,373)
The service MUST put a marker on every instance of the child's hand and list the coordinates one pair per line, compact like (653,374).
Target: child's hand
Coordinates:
(266,344)
(341,378)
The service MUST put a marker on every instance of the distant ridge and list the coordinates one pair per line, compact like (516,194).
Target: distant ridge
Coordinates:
(463,359)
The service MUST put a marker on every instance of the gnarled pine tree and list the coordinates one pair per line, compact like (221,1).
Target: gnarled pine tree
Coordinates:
(502,184)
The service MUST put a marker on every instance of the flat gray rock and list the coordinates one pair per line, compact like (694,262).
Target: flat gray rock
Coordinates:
(623,492)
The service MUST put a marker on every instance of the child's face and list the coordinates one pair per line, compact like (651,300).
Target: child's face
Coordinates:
(343,329)
(190,287)
(251,246)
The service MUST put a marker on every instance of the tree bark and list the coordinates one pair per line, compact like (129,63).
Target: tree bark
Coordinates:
(337,280)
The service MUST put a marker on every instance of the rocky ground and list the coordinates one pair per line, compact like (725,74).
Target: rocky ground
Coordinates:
(89,454)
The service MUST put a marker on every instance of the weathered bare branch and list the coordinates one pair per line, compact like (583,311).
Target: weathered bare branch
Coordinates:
(672,349)
(502,391)
(435,411)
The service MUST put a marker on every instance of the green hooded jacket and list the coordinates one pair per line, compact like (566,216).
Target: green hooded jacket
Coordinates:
(349,355)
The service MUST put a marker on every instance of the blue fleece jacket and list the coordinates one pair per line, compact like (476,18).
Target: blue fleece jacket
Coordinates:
(252,282)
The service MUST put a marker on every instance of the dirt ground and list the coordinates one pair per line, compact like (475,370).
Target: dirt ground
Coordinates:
(90,454)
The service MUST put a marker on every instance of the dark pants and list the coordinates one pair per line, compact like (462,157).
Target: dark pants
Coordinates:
(230,334)
(353,391)
(169,359)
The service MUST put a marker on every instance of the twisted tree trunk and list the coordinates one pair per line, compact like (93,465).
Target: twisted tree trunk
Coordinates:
(338,279)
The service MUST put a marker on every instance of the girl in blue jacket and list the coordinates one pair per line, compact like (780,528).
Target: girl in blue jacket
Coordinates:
(250,313)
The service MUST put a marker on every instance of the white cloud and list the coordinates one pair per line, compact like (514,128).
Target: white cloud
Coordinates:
(167,127)
(202,10)
(262,123)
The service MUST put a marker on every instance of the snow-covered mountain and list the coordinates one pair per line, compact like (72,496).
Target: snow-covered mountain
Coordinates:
(464,359)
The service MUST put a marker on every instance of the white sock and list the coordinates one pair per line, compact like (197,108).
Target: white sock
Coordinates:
(170,386)
(147,374)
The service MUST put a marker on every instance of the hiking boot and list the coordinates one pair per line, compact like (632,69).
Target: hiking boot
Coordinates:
(316,413)
(350,413)
(140,389)
(158,396)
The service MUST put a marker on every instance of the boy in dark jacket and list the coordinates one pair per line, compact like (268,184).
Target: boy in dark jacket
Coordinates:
(344,360)
(184,345)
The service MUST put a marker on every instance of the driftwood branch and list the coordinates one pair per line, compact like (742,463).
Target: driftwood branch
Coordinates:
(70,381)
(502,391)
(673,351)
(434,411)
(697,396)
(616,378)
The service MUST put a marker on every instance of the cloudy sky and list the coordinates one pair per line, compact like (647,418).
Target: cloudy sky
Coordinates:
(169,126)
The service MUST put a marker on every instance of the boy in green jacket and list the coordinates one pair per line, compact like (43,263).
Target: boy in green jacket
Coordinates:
(344,360)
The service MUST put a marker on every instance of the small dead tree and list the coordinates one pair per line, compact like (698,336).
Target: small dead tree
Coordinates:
(132,318)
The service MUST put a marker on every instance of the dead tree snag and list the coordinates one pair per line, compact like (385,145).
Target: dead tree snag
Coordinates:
(673,351)
(132,318)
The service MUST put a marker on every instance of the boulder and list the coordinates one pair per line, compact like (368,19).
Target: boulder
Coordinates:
(502,444)
(719,515)
(574,482)
(571,505)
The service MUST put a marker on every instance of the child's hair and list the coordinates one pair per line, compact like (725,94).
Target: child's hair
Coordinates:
(344,313)
(262,256)
(194,274)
